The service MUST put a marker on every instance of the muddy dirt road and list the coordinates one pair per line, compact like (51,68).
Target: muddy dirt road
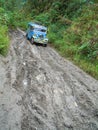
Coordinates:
(39,90)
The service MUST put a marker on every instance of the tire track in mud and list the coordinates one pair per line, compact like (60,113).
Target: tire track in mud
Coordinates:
(45,91)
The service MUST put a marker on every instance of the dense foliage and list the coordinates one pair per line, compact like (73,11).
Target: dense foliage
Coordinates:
(84,33)
(10,16)
(72,26)
(4,40)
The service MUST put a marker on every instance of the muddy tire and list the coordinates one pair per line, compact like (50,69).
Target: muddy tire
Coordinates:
(32,40)
(44,45)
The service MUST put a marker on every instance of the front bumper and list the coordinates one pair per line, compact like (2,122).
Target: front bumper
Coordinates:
(41,41)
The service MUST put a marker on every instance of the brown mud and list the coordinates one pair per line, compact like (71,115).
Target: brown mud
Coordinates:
(39,90)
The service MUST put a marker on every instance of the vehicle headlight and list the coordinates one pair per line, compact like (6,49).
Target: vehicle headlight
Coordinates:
(34,36)
(46,39)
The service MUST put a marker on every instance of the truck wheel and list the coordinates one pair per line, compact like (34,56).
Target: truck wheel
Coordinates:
(45,45)
(32,40)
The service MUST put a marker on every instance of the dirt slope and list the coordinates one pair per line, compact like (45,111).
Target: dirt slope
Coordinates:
(39,90)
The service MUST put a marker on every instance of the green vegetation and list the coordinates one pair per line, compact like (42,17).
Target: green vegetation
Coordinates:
(72,27)
(10,17)
(4,39)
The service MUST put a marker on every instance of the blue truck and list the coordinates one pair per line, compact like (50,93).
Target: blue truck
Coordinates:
(37,33)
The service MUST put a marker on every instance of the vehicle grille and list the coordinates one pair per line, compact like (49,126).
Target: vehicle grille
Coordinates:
(41,36)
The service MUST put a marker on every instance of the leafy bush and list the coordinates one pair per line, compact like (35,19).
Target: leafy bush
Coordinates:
(3,17)
(43,18)
(84,33)
(4,40)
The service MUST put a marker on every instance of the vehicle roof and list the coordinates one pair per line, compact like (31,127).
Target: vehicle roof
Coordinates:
(35,25)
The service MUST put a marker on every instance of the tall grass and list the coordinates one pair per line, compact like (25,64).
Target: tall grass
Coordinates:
(4,40)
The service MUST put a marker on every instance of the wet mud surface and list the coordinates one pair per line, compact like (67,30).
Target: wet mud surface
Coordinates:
(39,90)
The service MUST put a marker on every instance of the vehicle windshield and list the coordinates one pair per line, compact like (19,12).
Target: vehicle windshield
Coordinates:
(40,29)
